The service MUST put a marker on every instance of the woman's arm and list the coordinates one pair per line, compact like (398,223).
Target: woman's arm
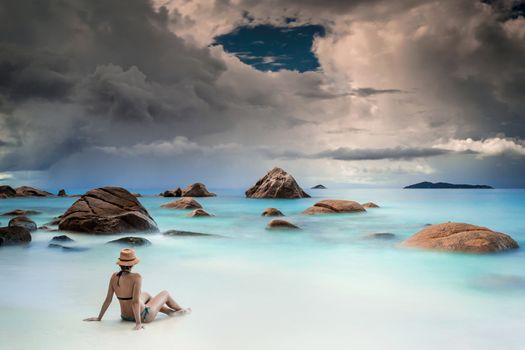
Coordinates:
(105,305)
(135,303)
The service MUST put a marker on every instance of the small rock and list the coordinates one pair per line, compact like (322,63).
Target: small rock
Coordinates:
(319,187)
(61,238)
(177,233)
(18,212)
(62,193)
(199,213)
(172,193)
(197,190)
(278,224)
(132,241)
(370,205)
(272,212)
(23,221)
(14,235)
(184,203)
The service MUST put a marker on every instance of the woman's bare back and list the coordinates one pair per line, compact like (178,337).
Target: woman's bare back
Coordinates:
(123,286)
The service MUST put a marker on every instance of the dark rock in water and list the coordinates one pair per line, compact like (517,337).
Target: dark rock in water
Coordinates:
(461,237)
(26,191)
(278,224)
(107,210)
(62,193)
(369,205)
(199,213)
(172,193)
(67,248)
(177,233)
(61,238)
(382,235)
(23,221)
(7,191)
(14,235)
(319,187)
(184,203)
(197,190)
(272,212)
(131,241)
(18,212)
(277,183)
(442,185)
(334,206)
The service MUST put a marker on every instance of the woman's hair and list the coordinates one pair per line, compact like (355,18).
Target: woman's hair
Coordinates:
(125,268)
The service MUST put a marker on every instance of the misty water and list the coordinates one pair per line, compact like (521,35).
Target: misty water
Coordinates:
(327,286)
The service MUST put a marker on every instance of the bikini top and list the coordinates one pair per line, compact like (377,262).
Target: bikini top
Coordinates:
(118,284)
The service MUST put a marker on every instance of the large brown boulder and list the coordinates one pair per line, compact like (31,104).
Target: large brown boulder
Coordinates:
(14,235)
(26,191)
(460,237)
(7,191)
(197,190)
(277,183)
(334,206)
(183,203)
(23,221)
(107,210)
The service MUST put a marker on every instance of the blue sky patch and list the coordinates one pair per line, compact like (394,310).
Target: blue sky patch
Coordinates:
(266,47)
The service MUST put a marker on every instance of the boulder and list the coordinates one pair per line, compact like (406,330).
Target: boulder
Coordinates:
(177,233)
(7,191)
(23,221)
(277,183)
(319,187)
(14,235)
(131,241)
(461,237)
(369,205)
(197,190)
(272,212)
(278,224)
(334,206)
(107,210)
(62,193)
(199,213)
(61,238)
(172,193)
(26,191)
(18,212)
(184,203)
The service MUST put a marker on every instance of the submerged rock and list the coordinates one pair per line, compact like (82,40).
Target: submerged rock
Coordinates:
(184,203)
(27,191)
(18,212)
(132,241)
(277,183)
(334,206)
(199,213)
(107,210)
(7,191)
(14,235)
(272,212)
(62,193)
(67,248)
(278,224)
(23,221)
(369,205)
(197,190)
(461,237)
(381,235)
(177,233)
(319,187)
(61,238)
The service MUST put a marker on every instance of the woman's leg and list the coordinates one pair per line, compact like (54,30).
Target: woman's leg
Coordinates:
(156,303)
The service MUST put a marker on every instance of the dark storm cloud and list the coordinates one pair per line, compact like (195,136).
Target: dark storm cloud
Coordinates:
(344,153)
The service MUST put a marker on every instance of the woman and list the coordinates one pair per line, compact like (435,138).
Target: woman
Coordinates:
(135,305)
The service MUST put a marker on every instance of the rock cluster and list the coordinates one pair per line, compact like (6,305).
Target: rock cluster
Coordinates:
(277,183)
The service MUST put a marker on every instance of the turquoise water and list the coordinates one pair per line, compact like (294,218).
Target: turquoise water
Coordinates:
(328,285)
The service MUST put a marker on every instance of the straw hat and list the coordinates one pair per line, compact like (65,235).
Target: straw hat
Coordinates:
(127,257)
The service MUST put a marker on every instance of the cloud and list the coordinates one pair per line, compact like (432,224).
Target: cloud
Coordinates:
(350,154)
(5,176)
(485,148)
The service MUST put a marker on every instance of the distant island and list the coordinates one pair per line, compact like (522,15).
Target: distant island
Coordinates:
(442,185)
(319,187)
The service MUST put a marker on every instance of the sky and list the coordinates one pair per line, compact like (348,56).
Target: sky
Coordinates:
(348,93)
